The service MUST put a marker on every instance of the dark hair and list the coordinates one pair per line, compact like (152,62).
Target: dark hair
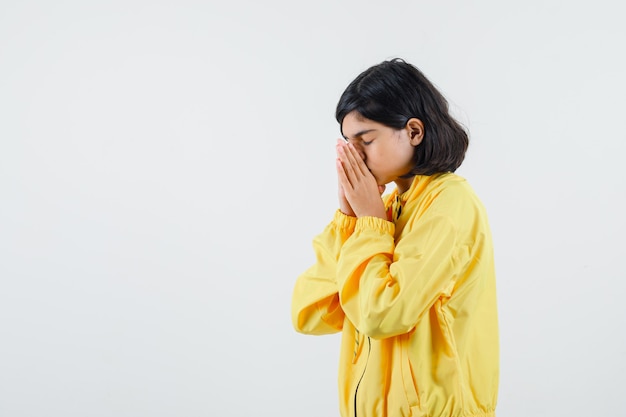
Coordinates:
(395,91)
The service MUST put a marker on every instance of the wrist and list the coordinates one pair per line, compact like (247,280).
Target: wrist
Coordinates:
(347,212)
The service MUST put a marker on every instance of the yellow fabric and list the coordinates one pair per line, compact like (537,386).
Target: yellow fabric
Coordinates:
(415,298)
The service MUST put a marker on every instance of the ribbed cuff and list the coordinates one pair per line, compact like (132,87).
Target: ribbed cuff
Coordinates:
(344,222)
(368,223)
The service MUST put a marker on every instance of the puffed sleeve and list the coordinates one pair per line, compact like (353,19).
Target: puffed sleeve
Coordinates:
(315,307)
(384,288)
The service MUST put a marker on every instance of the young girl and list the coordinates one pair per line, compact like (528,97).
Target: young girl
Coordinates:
(408,278)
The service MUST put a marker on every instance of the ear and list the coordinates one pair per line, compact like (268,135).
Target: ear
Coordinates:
(415,129)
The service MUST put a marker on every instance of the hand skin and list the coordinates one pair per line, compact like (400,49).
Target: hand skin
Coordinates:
(359,194)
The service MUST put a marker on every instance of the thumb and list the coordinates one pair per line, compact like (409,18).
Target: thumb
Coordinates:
(381,189)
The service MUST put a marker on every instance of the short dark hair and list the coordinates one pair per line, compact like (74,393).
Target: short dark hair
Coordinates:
(395,91)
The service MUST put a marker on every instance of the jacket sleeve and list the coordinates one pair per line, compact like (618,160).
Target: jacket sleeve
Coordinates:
(385,289)
(315,307)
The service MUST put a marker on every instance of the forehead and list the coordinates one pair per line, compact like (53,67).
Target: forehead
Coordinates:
(355,125)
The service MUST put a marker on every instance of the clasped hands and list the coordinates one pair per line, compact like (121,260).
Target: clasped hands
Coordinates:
(359,193)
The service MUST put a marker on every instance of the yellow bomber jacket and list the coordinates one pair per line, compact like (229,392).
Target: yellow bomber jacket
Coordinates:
(415,299)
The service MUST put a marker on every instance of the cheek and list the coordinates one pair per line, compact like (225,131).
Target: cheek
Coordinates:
(379,156)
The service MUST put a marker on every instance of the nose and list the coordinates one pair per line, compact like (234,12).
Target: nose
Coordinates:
(361,153)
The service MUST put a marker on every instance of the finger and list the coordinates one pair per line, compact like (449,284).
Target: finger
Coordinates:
(352,156)
(358,161)
(344,182)
(339,145)
(348,163)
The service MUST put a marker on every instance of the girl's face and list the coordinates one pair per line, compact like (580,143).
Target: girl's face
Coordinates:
(387,152)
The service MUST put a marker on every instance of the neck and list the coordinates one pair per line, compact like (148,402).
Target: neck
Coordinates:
(403,184)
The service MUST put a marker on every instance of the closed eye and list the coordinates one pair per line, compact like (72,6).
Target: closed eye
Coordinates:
(367,143)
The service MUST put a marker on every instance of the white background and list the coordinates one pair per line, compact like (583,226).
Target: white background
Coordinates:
(164,167)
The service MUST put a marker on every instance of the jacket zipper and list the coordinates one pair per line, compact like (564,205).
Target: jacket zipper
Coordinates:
(369,349)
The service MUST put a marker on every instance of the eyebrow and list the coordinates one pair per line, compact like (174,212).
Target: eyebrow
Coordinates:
(359,134)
